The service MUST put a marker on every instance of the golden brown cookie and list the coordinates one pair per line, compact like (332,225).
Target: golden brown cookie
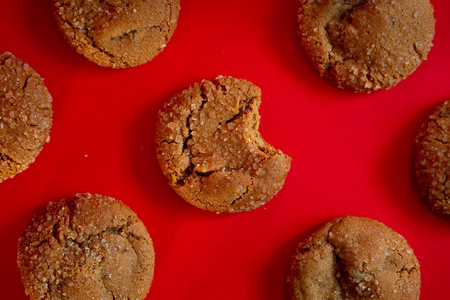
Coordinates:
(208,145)
(354,258)
(366,45)
(87,247)
(432,160)
(25,117)
(117,33)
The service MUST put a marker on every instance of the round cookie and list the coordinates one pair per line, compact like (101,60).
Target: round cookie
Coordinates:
(366,45)
(25,116)
(209,147)
(354,258)
(117,33)
(432,160)
(87,247)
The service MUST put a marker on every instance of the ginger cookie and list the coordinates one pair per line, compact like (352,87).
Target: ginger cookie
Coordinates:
(354,258)
(209,147)
(25,117)
(366,45)
(432,160)
(117,33)
(87,247)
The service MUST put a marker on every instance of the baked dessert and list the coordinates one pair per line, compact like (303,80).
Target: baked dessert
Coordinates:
(25,116)
(86,247)
(432,162)
(209,147)
(354,258)
(117,33)
(366,45)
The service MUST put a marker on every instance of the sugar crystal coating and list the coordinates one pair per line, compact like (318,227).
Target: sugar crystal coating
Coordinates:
(25,116)
(117,33)
(87,247)
(354,258)
(366,45)
(209,147)
(432,160)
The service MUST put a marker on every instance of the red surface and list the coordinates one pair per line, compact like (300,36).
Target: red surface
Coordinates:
(351,152)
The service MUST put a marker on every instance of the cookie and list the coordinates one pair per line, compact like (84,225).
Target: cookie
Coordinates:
(354,258)
(432,160)
(209,147)
(87,247)
(366,45)
(25,116)
(117,33)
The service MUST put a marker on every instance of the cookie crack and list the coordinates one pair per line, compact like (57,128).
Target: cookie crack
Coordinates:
(107,53)
(91,41)
(444,129)
(241,196)
(440,141)
(421,168)
(189,135)
(222,169)
(340,270)
(25,84)
(185,173)
(244,108)
(407,270)
(189,169)
(343,15)
(113,229)
(117,230)
(207,174)
(332,54)
(129,32)
(132,32)
(4,59)
(10,161)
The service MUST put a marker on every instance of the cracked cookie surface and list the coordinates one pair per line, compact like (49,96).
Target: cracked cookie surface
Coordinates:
(25,116)
(209,147)
(432,160)
(87,247)
(366,45)
(117,33)
(354,258)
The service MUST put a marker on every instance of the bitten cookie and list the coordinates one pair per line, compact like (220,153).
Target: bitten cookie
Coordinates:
(208,145)
(354,258)
(117,33)
(366,45)
(432,160)
(87,247)
(25,117)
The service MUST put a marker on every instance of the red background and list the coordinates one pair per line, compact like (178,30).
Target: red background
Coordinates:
(351,152)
